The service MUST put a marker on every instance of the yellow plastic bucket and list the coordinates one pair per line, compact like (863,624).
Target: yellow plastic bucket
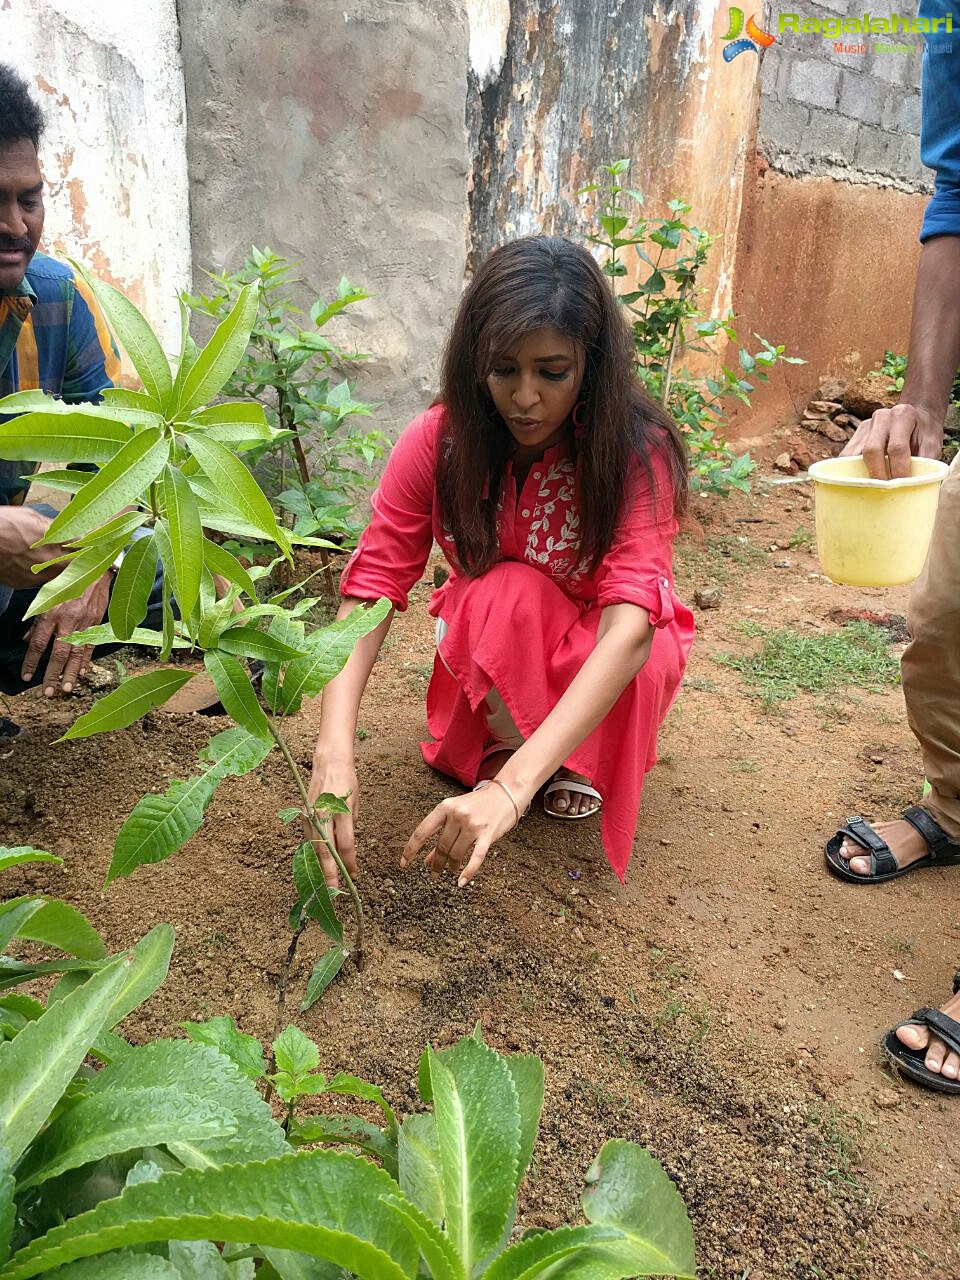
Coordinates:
(874,533)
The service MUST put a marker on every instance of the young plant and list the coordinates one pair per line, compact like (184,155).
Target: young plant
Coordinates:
(169,473)
(667,323)
(293,371)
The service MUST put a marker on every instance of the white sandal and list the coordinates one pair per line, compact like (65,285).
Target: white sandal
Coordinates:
(567,784)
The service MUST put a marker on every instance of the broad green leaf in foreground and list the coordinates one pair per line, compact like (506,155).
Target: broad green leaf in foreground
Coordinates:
(82,571)
(322,1203)
(628,1189)
(218,560)
(294,1052)
(121,481)
(122,1265)
(58,924)
(23,853)
(186,537)
(160,825)
(234,488)
(478,1132)
(135,697)
(312,892)
(110,1124)
(37,1066)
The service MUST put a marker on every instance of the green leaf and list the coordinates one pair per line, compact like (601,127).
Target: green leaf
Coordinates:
(323,1203)
(288,815)
(244,1051)
(122,1265)
(218,560)
(629,1190)
(248,642)
(289,1265)
(419,1156)
(104,634)
(8,1211)
(527,1072)
(15,916)
(478,1131)
(135,336)
(51,437)
(205,1073)
(82,571)
(353,1087)
(121,481)
(66,481)
(312,892)
(186,537)
(188,353)
(23,853)
(121,526)
(295,1053)
(130,597)
(237,693)
(135,697)
(545,1253)
(220,357)
(234,488)
(110,1124)
(198,1260)
(160,825)
(324,972)
(37,1066)
(60,925)
(329,649)
(438,1253)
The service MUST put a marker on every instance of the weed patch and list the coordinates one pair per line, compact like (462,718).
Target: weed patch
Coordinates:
(788,663)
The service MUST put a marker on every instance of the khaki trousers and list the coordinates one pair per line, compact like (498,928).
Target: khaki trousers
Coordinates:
(931,663)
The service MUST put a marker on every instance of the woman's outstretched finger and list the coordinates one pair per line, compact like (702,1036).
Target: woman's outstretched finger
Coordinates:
(480,851)
(431,824)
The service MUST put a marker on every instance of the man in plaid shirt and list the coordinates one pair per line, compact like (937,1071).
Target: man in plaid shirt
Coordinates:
(53,336)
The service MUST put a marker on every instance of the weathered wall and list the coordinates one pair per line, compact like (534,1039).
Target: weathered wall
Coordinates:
(108,78)
(559,87)
(335,134)
(827,246)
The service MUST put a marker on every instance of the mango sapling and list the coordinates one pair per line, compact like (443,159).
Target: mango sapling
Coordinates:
(172,466)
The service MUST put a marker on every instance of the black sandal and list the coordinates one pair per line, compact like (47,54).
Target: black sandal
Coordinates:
(910,1061)
(942,851)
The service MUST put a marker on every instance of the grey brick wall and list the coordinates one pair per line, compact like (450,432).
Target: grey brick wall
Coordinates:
(851,116)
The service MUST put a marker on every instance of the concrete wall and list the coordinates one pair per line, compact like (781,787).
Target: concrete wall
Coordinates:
(559,87)
(335,134)
(108,78)
(827,245)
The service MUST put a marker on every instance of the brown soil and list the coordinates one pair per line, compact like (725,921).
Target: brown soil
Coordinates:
(723,1008)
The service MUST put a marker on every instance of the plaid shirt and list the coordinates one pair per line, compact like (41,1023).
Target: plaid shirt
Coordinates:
(53,337)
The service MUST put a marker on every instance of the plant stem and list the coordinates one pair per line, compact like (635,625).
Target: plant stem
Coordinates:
(326,841)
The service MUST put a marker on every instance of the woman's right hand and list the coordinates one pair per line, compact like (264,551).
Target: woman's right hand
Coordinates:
(337,776)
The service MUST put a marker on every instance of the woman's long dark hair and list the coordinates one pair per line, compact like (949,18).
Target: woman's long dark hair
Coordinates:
(529,284)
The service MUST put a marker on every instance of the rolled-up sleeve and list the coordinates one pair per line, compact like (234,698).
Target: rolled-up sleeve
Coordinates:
(393,549)
(638,568)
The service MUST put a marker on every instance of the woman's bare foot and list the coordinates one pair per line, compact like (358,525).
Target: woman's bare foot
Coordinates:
(906,844)
(939,1059)
(570,804)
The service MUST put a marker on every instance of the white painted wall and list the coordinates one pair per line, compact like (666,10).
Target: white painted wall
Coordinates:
(108,76)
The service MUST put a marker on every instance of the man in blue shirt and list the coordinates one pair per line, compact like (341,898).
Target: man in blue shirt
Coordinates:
(927,1047)
(53,337)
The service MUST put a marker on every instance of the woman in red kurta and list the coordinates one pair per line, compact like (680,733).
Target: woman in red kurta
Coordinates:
(552,484)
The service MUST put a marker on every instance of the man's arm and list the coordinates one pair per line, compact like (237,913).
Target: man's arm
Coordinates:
(20,528)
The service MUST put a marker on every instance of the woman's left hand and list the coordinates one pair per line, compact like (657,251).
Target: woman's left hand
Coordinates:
(467,825)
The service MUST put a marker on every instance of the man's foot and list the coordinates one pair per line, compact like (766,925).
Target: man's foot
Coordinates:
(570,804)
(906,844)
(938,1059)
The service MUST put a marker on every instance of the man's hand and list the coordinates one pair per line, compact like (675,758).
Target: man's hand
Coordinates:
(20,528)
(896,434)
(66,661)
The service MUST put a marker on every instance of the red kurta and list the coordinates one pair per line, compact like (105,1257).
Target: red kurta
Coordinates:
(529,623)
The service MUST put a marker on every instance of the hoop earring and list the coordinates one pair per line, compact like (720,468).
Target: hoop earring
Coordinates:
(576,417)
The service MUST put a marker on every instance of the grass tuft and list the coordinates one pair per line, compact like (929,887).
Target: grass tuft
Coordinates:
(788,663)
